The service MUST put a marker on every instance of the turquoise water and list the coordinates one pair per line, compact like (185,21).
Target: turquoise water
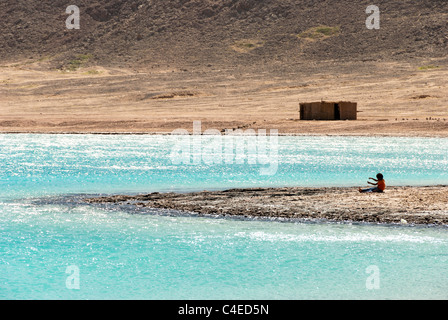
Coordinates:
(45,233)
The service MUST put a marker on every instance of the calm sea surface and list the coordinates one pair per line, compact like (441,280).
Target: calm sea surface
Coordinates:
(54,247)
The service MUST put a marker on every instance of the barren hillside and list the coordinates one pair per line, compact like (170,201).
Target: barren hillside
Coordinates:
(221,32)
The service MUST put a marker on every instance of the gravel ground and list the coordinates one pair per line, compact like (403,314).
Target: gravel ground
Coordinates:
(406,205)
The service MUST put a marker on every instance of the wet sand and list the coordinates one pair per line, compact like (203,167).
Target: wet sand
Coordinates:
(403,205)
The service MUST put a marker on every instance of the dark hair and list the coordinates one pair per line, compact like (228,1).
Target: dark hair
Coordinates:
(379,176)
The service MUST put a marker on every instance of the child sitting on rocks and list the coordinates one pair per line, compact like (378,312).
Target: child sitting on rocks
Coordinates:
(380,184)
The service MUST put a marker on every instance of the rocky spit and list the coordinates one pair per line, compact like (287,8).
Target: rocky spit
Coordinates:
(397,205)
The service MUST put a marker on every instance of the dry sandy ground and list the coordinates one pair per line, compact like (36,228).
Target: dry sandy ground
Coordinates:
(393,98)
(409,205)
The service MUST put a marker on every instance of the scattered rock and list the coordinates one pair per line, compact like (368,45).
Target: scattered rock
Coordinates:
(332,204)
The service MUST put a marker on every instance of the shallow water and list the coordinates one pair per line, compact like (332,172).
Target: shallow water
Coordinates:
(125,255)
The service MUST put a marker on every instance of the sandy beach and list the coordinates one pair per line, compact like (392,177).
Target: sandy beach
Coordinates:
(426,205)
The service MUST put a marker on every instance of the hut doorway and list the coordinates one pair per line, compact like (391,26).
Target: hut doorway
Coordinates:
(337,112)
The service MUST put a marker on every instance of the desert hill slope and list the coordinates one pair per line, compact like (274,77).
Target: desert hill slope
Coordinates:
(222,32)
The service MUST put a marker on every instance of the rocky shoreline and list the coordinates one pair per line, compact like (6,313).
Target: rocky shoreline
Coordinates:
(402,205)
